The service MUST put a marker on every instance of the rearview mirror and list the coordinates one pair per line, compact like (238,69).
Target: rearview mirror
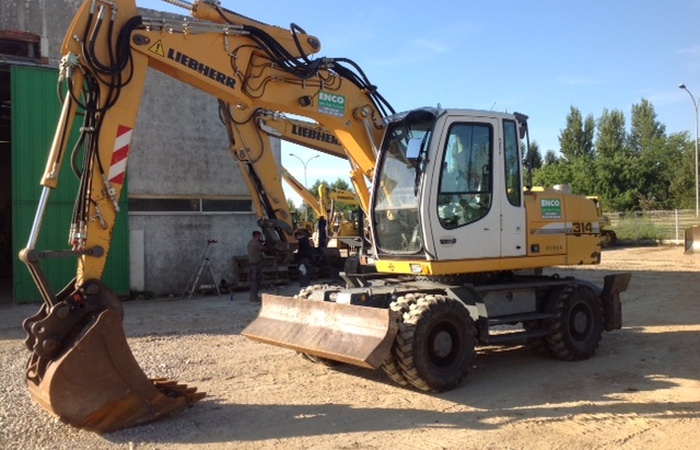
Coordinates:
(414,147)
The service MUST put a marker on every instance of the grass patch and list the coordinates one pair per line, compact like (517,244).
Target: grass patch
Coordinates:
(638,228)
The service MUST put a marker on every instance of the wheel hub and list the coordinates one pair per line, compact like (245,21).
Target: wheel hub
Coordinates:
(580,322)
(442,344)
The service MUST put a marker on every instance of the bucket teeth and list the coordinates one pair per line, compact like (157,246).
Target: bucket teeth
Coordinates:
(173,389)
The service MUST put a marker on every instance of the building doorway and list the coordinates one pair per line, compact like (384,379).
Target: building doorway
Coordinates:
(5,186)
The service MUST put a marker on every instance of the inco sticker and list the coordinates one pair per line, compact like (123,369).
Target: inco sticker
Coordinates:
(551,208)
(331,104)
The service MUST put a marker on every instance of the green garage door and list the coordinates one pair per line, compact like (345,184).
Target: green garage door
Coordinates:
(35,112)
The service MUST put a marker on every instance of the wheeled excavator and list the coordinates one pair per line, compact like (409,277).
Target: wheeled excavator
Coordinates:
(458,239)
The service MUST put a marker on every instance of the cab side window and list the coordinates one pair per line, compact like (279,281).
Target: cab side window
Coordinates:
(465,179)
(512,163)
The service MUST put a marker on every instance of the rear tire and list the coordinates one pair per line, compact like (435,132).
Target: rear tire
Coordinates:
(577,327)
(435,345)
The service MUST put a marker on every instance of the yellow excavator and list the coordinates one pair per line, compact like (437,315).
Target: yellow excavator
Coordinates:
(324,204)
(457,237)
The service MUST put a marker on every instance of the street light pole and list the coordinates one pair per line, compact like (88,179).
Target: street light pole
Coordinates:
(306,182)
(697,186)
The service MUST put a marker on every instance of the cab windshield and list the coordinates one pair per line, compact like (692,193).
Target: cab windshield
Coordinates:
(396,214)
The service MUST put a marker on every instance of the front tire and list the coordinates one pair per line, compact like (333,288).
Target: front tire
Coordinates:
(391,366)
(435,345)
(577,327)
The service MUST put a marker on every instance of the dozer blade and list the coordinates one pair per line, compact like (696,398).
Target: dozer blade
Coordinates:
(96,383)
(356,335)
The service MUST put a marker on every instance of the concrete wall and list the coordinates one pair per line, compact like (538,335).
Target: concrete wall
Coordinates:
(179,148)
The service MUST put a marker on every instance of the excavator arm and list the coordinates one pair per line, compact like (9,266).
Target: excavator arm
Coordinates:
(304,193)
(252,151)
(81,367)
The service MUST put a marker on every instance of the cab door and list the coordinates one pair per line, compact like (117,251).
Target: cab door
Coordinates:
(475,196)
(464,214)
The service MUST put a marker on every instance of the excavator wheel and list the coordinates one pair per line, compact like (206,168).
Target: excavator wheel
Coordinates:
(352,264)
(538,345)
(609,238)
(391,366)
(577,327)
(436,343)
(82,369)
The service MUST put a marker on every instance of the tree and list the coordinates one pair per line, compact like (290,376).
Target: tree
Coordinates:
(338,185)
(576,140)
(532,159)
(614,161)
(646,130)
(556,172)
(550,157)
(654,157)
(682,186)
(611,136)
(643,169)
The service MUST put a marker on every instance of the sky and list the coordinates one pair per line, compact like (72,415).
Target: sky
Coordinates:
(537,57)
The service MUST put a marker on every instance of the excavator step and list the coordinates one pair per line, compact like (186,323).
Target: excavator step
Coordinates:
(515,318)
(511,337)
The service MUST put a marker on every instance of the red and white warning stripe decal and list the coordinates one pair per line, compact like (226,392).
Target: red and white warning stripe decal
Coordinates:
(122,145)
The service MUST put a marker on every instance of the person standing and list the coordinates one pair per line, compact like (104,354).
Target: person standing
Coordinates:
(255,259)
(303,257)
(322,232)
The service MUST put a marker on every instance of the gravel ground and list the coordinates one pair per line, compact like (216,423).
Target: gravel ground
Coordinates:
(640,391)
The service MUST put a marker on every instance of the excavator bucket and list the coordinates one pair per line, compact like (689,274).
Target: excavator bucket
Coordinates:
(692,240)
(94,381)
(356,335)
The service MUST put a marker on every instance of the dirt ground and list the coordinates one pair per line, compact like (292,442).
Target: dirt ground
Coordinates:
(640,391)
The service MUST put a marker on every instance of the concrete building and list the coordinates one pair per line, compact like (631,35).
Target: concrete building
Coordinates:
(184,187)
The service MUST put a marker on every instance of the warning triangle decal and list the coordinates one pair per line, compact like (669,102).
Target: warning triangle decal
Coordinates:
(157,48)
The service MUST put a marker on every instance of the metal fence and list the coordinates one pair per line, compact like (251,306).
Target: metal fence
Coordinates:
(658,225)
